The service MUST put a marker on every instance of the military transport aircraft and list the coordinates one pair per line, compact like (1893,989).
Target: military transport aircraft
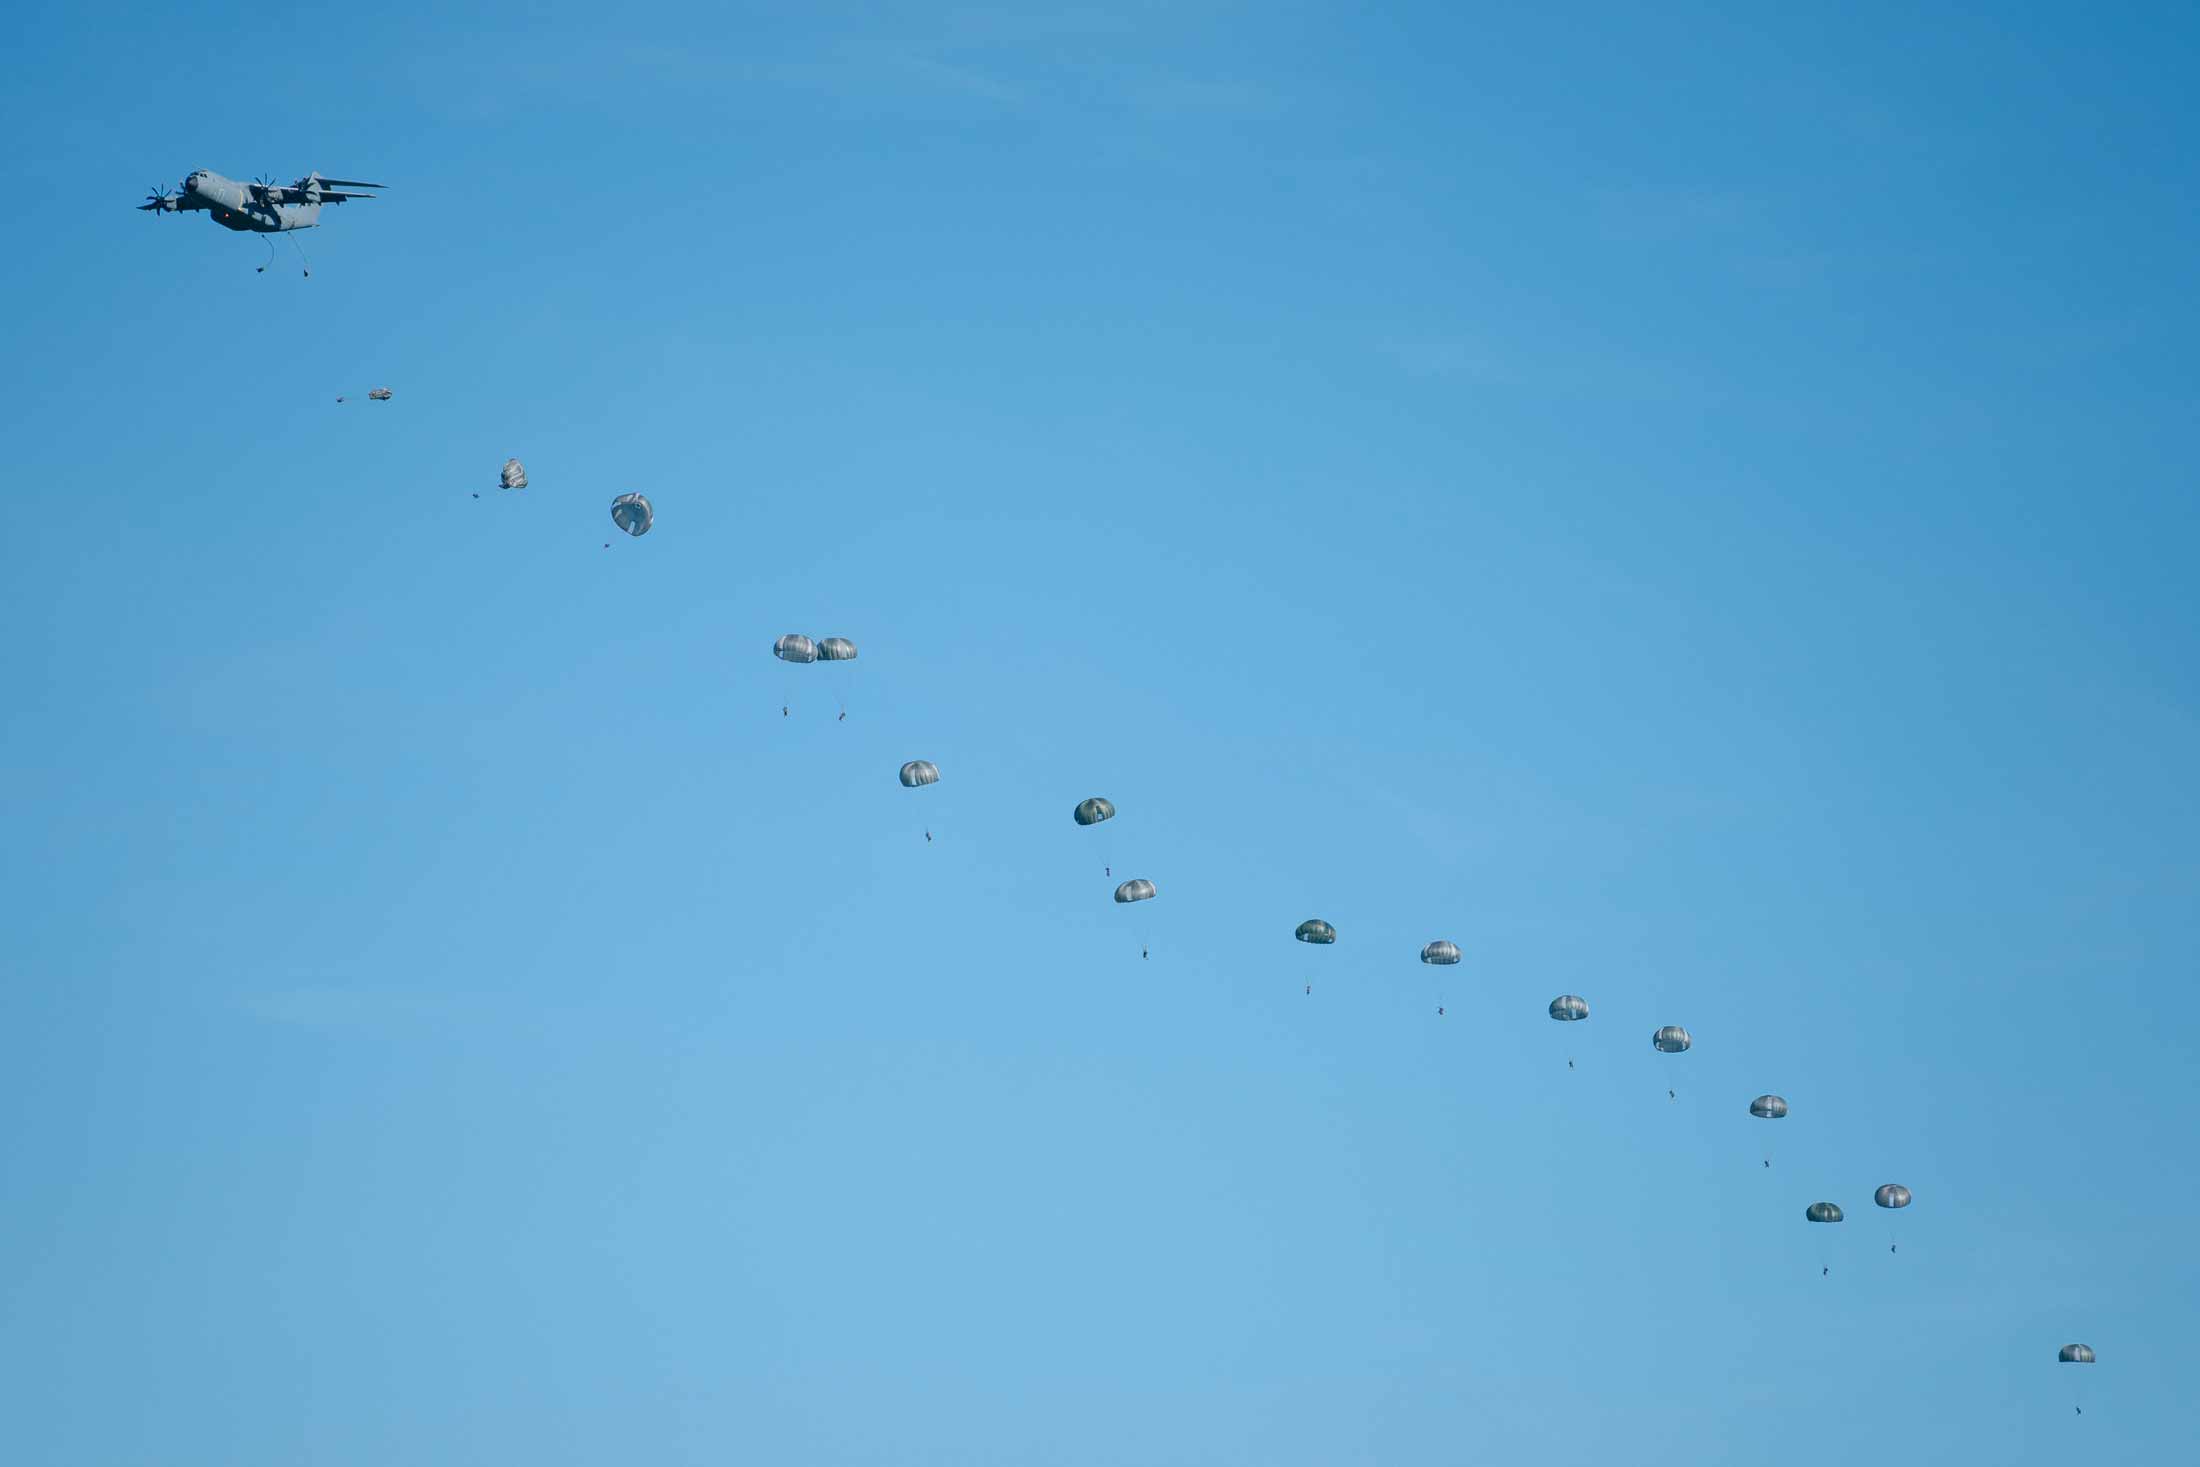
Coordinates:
(261,207)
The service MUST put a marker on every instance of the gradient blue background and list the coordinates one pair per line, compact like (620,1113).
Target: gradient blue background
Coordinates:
(1692,502)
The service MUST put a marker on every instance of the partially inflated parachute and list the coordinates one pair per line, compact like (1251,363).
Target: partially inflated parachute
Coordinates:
(631,513)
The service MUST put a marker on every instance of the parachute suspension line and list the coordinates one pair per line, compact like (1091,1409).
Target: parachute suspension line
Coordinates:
(261,268)
(293,238)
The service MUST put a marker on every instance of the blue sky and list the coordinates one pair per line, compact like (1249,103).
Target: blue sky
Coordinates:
(1693,505)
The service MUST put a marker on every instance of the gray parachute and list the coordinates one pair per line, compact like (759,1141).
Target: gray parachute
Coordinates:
(920,772)
(1440,952)
(1672,1039)
(794,647)
(513,475)
(1092,811)
(1315,930)
(631,513)
(1569,1009)
(1768,1108)
(1137,890)
(379,394)
(1893,1194)
(2075,1355)
(836,649)
(1824,1212)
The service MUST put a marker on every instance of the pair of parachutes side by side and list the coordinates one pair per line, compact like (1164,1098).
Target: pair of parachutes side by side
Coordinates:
(1320,933)
(1891,1195)
(796,648)
(632,513)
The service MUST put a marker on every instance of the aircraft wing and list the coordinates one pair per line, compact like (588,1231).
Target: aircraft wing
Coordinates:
(296,195)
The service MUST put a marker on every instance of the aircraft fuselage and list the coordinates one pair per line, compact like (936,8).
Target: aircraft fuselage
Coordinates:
(234,206)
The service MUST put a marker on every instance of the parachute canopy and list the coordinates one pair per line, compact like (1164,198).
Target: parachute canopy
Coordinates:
(1822,1212)
(1092,811)
(2075,1355)
(1894,1194)
(1440,952)
(919,772)
(1768,1108)
(631,513)
(1135,891)
(1569,1009)
(1314,929)
(836,649)
(794,647)
(1672,1039)
(514,475)
(383,394)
